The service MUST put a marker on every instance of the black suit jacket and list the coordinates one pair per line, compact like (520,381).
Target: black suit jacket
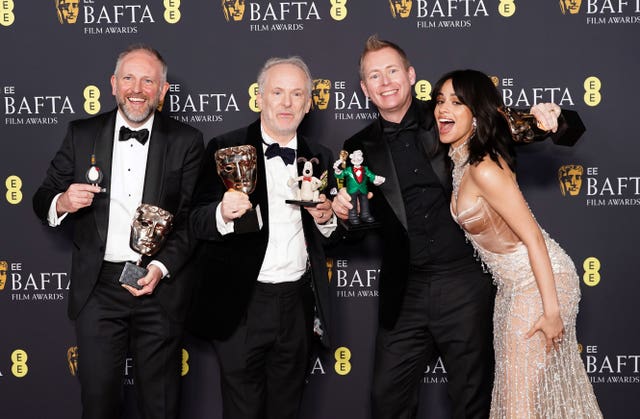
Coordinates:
(230,264)
(175,153)
(387,203)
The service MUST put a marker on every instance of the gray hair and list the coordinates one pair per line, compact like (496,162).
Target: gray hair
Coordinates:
(295,60)
(146,48)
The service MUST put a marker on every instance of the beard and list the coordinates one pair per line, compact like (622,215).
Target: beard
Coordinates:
(138,116)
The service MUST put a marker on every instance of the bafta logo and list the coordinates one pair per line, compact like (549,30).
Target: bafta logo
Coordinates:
(329,269)
(72,360)
(572,6)
(233,10)
(400,8)
(4,266)
(67,11)
(321,93)
(570,179)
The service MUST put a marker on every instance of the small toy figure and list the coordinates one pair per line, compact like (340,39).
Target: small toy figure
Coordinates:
(356,178)
(310,186)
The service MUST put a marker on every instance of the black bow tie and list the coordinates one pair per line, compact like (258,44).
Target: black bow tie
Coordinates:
(392,130)
(287,154)
(141,135)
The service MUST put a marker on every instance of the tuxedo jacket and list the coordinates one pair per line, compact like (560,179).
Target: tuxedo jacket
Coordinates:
(175,153)
(229,265)
(387,204)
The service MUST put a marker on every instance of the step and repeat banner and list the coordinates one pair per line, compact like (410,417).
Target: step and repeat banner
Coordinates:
(56,60)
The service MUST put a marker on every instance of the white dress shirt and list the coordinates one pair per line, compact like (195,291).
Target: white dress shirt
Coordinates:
(285,259)
(128,167)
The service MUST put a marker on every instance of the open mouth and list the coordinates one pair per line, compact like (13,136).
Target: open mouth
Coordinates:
(445,125)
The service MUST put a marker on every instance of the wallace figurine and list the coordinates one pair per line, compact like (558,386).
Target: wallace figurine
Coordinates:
(356,178)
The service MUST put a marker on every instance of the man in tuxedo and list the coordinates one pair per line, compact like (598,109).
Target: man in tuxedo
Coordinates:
(258,287)
(435,299)
(144,157)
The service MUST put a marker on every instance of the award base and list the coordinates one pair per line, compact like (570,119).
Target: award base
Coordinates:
(361,226)
(302,203)
(131,274)
(575,129)
(250,222)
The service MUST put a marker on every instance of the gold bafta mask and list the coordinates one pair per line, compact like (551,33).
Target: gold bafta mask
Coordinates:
(321,93)
(233,10)
(67,11)
(72,360)
(329,269)
(149,229)
(237,166)
(401,8)
(573,6)
(4,267)
(570,179)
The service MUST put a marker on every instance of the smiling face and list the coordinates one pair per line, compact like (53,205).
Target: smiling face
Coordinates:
(284,99)
(454,118)
(138,85)
(387,81)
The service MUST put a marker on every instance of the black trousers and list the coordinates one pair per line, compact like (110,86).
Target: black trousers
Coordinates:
(113,324)
(264,363)
(447,314)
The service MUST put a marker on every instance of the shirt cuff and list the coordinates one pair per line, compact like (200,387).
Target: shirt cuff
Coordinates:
(165,271)
(327,228)
(223,228)
(52,215)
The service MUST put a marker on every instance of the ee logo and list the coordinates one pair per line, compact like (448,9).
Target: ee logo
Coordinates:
(342,356)
(185,362)
(423,90)
(19,366)
(591,275)
(172,11)
(14,186)
(507,8)
(338,9)
(91,96)
(253,95)
(592,86)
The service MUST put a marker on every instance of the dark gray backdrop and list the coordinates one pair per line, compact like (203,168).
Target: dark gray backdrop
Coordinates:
(585,61)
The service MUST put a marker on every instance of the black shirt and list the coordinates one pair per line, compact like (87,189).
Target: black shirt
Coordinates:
(434,238)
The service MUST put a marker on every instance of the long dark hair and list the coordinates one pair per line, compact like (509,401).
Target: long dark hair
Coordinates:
(492,136)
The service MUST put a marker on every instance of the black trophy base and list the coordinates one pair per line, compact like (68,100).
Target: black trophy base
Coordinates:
(131,274)
(573,129)
(250,222)
(302,203)
(350,226)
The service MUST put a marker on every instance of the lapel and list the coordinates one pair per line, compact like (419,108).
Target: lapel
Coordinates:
(103,150)
(378,159)
(428,138)
(303,151)
(259,195)
(156,158)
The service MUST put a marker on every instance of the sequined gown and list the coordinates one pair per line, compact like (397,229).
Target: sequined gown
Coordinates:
(529,382)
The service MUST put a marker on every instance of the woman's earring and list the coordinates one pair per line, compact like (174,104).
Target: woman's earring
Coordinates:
(474,123)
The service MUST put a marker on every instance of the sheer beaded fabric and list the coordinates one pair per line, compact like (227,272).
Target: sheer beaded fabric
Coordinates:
(529,382)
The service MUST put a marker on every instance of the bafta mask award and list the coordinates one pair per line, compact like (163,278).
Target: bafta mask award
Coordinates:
(149,230)
(238,168)
(525,128)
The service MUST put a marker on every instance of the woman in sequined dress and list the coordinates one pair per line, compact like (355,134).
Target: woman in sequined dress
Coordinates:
(539,373)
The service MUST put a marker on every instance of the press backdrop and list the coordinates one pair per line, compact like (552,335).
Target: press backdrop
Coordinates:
(55,67)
